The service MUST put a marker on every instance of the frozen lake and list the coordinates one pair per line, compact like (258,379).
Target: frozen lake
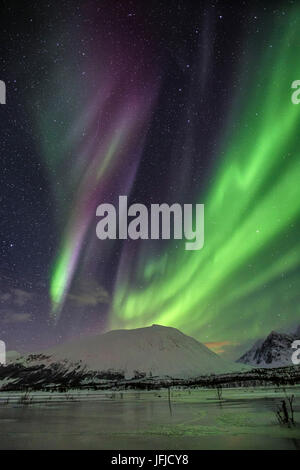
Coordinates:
(244,419)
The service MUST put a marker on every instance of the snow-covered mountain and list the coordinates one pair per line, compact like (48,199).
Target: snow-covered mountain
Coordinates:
(275,351)
(152,351)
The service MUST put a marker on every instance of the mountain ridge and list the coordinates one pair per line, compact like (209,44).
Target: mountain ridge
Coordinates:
(273,351)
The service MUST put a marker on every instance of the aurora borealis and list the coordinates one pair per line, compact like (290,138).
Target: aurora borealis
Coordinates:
(251,222)
(191,105)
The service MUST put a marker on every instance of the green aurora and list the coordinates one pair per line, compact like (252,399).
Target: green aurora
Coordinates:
(244,282)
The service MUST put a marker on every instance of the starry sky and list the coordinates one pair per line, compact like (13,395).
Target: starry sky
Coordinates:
(181,101)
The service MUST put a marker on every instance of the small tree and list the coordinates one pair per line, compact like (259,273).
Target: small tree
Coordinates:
(219,391)
(284,414)
(290,400)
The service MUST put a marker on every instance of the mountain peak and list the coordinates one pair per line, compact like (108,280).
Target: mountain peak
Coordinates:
(155,351)
(275,334)
(274,351)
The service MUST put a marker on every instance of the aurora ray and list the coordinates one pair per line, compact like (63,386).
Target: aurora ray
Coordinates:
(101,148)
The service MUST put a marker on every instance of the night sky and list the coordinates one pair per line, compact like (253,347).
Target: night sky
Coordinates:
(180,101)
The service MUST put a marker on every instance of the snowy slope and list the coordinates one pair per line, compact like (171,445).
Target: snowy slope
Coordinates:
(249,357)
(274,351)
(156,350)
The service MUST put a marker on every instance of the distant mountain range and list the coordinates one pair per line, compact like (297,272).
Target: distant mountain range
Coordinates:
(273,351)
(146,358)
(155,351)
